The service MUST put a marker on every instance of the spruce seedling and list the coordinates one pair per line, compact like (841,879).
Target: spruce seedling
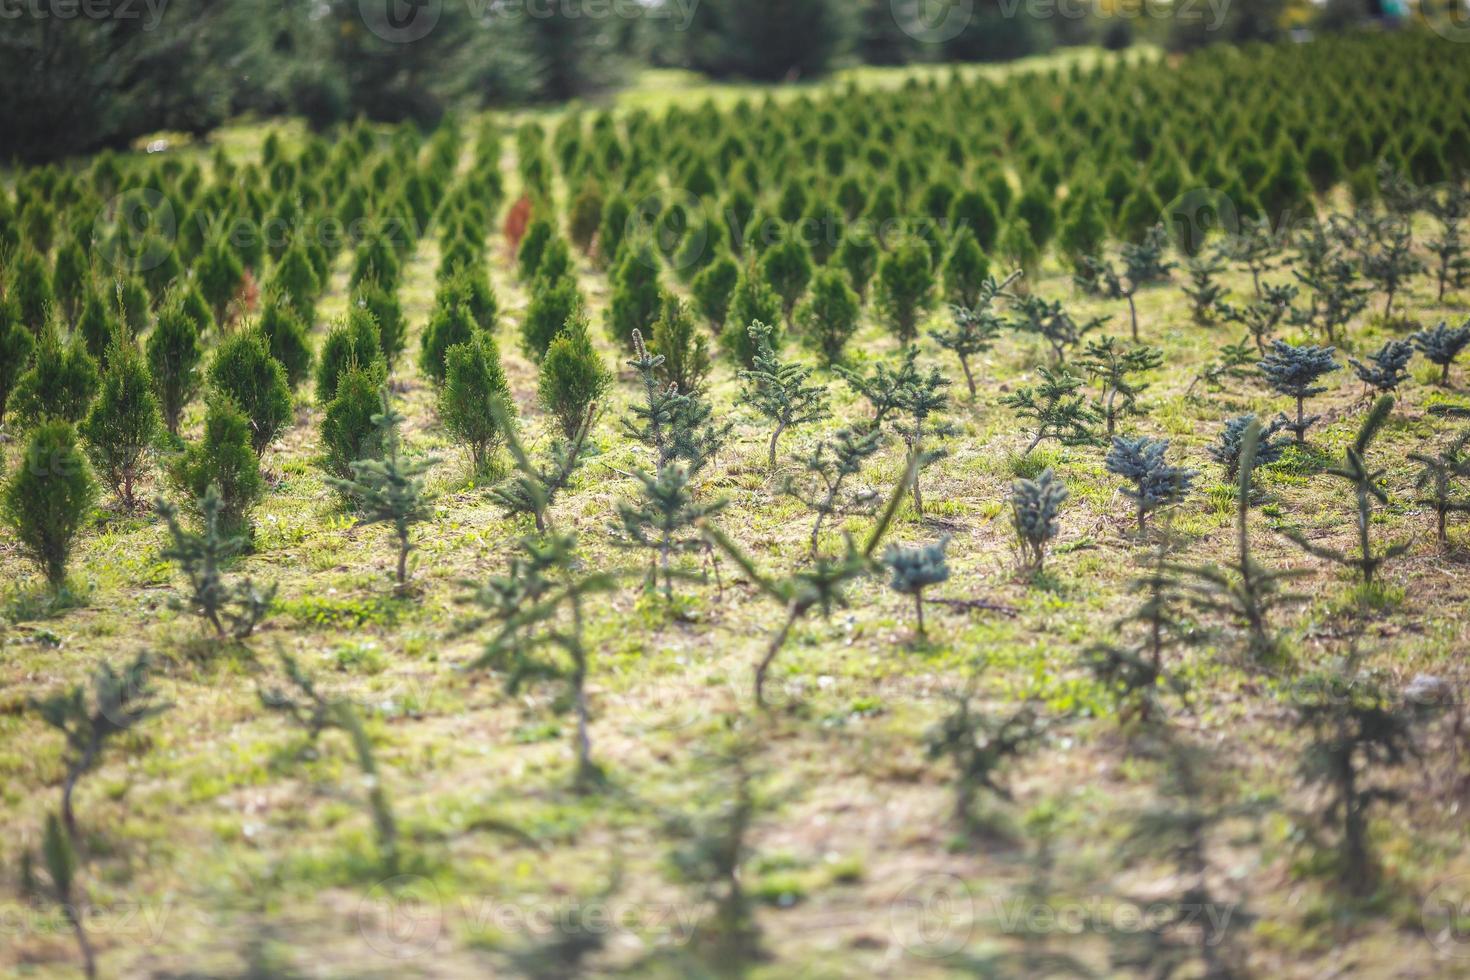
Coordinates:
(1056,409)
(981,746)
(661,521)
(1367,488)
(1226,449)
(234,609)
(1155,482)
(911,570)
(538,612)
(390,490)
(120,702)
(1294,371)
(976,327)
(1110,364)
(1436,480)
(832,463)
(1036,506)
(1387,369)
(534,486)
(1442,345)
(778,390)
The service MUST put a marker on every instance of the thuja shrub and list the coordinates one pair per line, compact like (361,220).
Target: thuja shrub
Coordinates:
(352,342)
(473,380)
(448,327)
(60,383)
(828,318)
(174,354)
(286,338)
(16,346)
(682,345)
(387,313)
(905,287)
(123,421)
(754,301)
(348,430)
(224,459)
(244,372)
(553,303)
(573,378)
(48,498)
(712,289)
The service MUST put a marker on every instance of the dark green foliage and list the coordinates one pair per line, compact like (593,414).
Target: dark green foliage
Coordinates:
(536,610)
(218,275)
(1389,263)
(96,325)
(974,212)
(48,499)
(120,702)
(533,247)
(1294,371)
(713,288)
(1244,589)
(448,327)
(28,286)
(1356,728)
(778,390)
(1083,231)
(573,378)
(981,746)
(244,372)
(224,460)
(676,425)
(831,464)
(766,41)
(348,430)
(857,255)
(911,570)
(1442,344)
(387,313)
(965,270)
(1053,324)
(585,216)
(828,317)
(173,359)
(663,521)
(60,858)
(473,379)
(1056,409)
(123,421)
(1111,365)
(976,326)
(59,385)
(1227,447)
(470,288)
(1436,479)
(1367,487)
(389,489)
(905,287)
(295,280)
(286,338)
(553,304)
(1036,506)
(234,609)
(787,268)
(683,347)
(1154,482)
(1336,298)
(753,301)
(1387,369)
(637,297)
(16,346)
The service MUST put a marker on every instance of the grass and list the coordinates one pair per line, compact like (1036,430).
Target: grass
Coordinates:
(236,846)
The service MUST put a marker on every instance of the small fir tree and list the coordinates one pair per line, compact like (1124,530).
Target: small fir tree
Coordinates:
(534,487)
(1205,292)
(537,610)
(223,459)
(1155,482)
(981,746)
(573,377)
(244,372)
(685,352)
(1294,371)
(60,384)
(1111,365)
(473,380)
(753,301)
(1387,368)
(390,490)
(174,354)
(234,609)
(831,465)
(829,316)
(905,287)
(1442,345)
(1367,489)
(911,570)
(1227,447)
(1262,316)
(676,425)
(976,326)
(1436,480)
(1053,324)
(1056,409)
(663,521)
(1036,506)
(779,392)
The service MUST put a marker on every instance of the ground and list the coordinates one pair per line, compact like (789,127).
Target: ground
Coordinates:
(222,844)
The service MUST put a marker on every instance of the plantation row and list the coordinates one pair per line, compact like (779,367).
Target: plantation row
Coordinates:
(160,327)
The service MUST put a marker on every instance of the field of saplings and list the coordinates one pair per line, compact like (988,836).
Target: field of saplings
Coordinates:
(990,523)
